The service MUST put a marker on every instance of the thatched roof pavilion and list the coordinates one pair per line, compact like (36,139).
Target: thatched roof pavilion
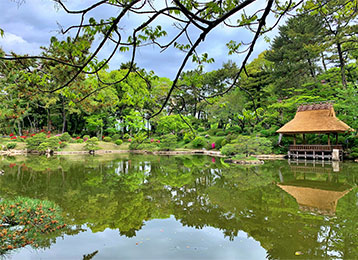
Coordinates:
(315,118)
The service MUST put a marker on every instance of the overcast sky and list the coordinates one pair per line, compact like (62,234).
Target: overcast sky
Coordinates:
(31,24)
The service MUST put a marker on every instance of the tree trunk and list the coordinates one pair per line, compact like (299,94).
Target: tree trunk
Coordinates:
(342,65)
(323,62)
(49,126)
(313,74)
(19,127)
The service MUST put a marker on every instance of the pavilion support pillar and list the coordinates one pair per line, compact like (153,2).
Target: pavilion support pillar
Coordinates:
(329,140)
(294,139)
(304,138)
(336,138)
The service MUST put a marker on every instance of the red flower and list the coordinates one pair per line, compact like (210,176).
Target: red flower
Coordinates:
(12,165)
(23,136)
(78,137)
(59,142)
(13,138)
(11,134)
(42,130)
(32,135)
(158,141)
(48,136)
(152,140)
(49,132)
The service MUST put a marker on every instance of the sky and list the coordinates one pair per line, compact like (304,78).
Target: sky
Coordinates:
(31,24)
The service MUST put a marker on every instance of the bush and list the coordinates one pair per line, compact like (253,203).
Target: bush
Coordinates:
(168,142)
(10,146)
(79,141)
(118,142)
(32,143)
(199,142)
(65,137)
(229,149)
(115,137)
(213,131)
(230,137)
(107,139)
(220,133)
(223,142)
(248,145)
(218,142)
(188,137)
(64,144)
(86,137)
(92,144)
(72,141)
(201,129)
(110,131)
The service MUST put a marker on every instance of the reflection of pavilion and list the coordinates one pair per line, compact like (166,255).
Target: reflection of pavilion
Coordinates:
(315,195)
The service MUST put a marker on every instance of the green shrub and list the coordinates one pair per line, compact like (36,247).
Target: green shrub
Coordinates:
(229,149)
(118,142)
(223,142)
(72,141)
(32,143)
(115,137)
(86,137)
(218,142)
(201,129)
(230,137)
(79,141)
(213,131)
(199,142)
(92,144)
(10,145)
(234,128)
(107,139)
(220,133)
(188,137)
(248,145)
(65,137)
(64,144)
(168,142)
(111,131)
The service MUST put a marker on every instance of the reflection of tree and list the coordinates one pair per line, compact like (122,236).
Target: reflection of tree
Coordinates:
(122,193)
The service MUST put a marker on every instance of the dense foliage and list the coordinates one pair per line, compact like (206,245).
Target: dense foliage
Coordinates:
(313,58)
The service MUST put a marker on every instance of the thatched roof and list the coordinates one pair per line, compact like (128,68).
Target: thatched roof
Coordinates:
(315,118)
(316,200)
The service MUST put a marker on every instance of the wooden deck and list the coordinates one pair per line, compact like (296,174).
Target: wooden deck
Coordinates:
(314,151)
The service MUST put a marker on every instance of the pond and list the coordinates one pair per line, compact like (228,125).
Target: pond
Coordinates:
(188,207)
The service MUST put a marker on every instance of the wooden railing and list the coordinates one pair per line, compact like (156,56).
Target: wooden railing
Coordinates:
(314,147)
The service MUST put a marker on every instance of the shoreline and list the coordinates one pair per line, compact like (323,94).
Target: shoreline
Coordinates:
(176,152)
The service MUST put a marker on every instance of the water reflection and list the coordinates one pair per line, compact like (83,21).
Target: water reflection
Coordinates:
(268,202)
(315,186)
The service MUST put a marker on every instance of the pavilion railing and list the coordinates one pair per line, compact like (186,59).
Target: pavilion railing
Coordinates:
(314,147)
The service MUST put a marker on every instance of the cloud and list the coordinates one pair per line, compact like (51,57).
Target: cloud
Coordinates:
(29,26)
(15,43)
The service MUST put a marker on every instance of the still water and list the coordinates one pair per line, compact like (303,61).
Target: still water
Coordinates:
(189,207)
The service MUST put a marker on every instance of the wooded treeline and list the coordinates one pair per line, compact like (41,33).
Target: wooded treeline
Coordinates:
(313,58)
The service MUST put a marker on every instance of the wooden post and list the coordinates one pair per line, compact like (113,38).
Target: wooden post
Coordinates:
(336,138)
(329,140)
(294,139)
